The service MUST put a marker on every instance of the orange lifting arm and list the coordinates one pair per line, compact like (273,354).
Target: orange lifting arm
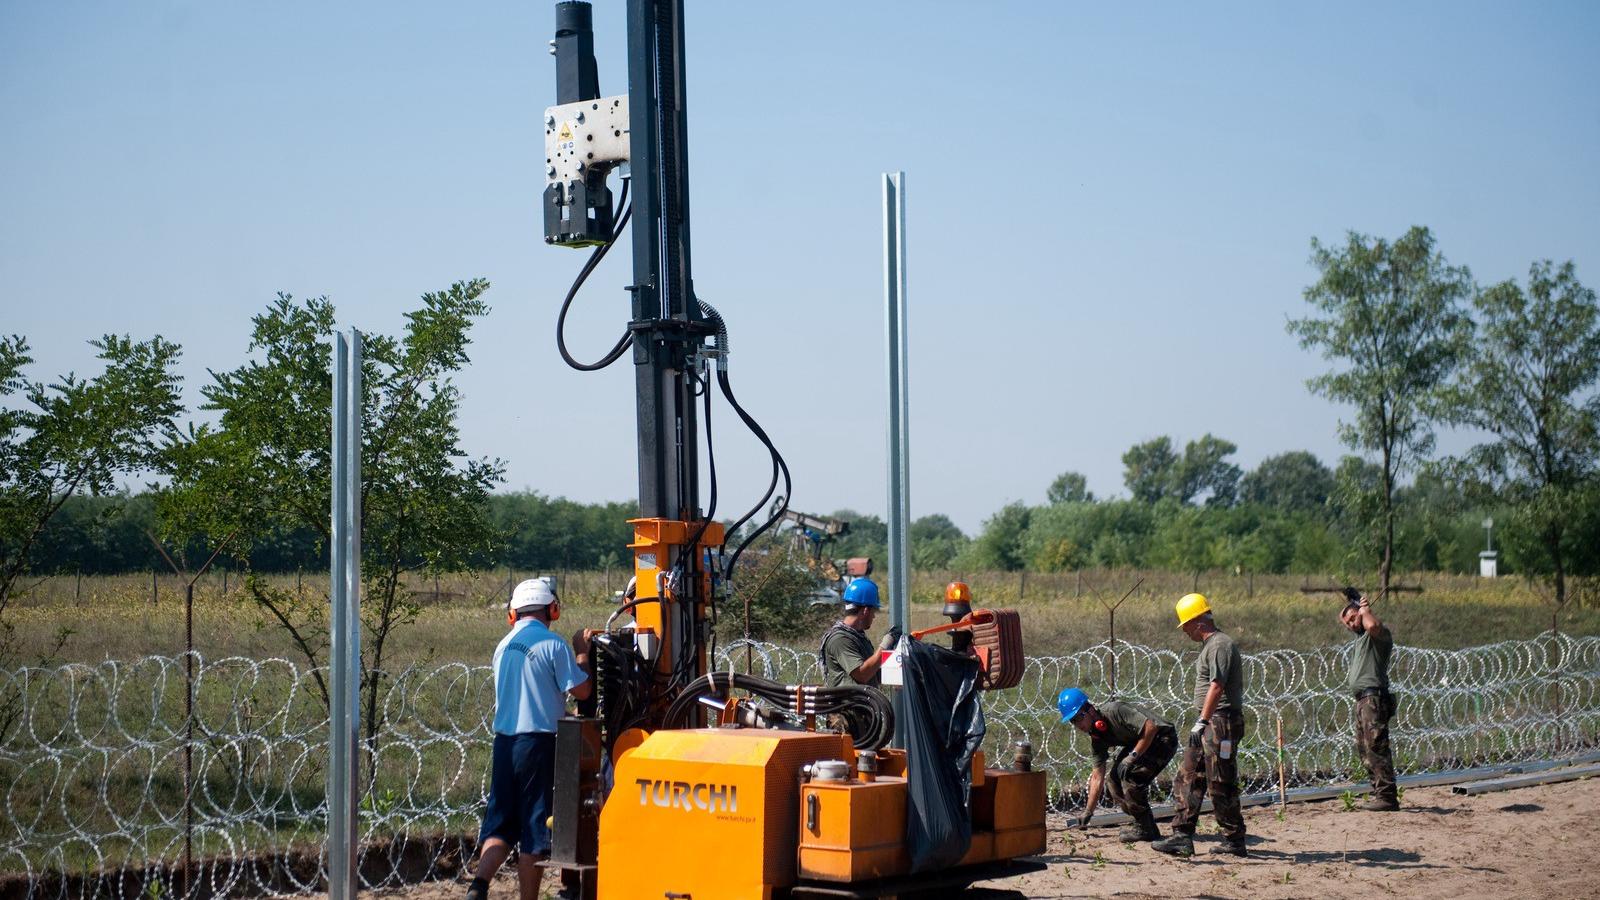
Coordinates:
(976,617)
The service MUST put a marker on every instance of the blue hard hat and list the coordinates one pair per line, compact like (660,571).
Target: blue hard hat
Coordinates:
(862,592)
(1069,702)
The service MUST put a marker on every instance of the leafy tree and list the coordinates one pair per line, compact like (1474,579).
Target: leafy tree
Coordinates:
(1357,507)
(868,536)
(1296,480)
(1112,533)
(75,436)
(1390,317)
(785,600)
(1530,383)
(265,466)
(545,533)
(1069,487)
(1148,469)
(1001,545)
(935,542)
(1204,471)
(1154,471)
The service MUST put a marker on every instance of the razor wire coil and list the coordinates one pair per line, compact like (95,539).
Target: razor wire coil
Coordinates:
(91,756)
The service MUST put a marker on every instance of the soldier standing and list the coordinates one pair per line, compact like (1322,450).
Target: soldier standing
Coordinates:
(1210,760)
(1375,705)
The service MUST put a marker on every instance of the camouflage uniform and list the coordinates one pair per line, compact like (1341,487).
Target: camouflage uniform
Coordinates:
(1369,682)
(1205,767)
(1374,709)
(1129,785)
(1204,770)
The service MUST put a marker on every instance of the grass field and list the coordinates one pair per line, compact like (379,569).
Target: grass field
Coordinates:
(115,617)
(434,753)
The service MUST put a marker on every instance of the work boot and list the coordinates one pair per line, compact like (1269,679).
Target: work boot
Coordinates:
(1136,833)
(1231,848)
(478,890)
(1376,803)
(1178,844)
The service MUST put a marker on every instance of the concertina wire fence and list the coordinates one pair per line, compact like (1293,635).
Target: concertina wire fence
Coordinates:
(91,766)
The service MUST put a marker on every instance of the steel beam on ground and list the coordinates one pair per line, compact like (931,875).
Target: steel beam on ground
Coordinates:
(1311,794)
(1472,788)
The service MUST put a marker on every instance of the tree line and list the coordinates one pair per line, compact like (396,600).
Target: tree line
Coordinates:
(1414,344)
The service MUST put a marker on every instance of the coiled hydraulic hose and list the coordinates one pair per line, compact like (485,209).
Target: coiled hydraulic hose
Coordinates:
(866,711)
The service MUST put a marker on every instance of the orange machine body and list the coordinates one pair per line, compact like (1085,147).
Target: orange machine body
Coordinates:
(721,807)
(855,831)
(734,818)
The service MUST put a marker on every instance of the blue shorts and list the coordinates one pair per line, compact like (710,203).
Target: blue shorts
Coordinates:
(521,787)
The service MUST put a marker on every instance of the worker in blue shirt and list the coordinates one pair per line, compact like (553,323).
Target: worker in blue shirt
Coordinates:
(533,669)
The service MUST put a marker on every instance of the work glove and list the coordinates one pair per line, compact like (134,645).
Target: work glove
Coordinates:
(1198,730)
(890,638)
(1352,595)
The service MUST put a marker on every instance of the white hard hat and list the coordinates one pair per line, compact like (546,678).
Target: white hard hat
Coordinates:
(533,592)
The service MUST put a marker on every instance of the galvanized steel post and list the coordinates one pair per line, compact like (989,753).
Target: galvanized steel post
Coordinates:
(344,708)
(894,302)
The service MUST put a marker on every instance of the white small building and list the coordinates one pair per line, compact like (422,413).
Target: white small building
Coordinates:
(1488,559)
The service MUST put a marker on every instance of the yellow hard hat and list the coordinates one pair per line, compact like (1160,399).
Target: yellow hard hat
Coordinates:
(1190,606)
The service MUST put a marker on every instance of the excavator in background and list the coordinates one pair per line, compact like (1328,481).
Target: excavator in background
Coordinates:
(810,534)
(809,537)
(675,781)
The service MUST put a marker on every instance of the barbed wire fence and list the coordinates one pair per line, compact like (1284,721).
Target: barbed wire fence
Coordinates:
(93,803)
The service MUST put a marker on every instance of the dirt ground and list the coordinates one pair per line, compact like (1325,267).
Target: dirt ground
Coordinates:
(1533,842)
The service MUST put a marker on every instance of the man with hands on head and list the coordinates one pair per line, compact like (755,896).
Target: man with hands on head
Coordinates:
(1210,761)
(847,654)
(1375,706)
(1147,743)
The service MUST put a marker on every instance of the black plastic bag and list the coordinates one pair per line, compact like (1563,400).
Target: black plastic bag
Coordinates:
(939,722)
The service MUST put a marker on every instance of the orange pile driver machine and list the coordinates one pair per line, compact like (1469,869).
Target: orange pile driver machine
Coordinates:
(675,781)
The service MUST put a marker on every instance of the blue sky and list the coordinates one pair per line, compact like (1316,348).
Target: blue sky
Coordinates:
(1110,208)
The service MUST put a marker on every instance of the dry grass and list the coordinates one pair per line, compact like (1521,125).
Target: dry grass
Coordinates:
(114,617)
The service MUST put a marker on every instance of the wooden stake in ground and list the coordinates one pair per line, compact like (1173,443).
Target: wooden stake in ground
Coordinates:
(1283,782)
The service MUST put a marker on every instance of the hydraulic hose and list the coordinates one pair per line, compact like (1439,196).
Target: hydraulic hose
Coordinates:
(868,716)
(599,253)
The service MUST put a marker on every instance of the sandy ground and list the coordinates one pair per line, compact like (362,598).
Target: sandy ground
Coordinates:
(1533,842)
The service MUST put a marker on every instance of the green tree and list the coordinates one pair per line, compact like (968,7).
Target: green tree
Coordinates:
(73,437)
(1389,316)
(1069,487)
(1002,543)
(1204,471)
(1148,469)
(935,542)
(1295,481)
(868,536)
(266,465)
(1529,382)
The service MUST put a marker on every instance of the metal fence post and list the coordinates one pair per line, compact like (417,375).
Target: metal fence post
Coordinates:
(344,712)
(894,303)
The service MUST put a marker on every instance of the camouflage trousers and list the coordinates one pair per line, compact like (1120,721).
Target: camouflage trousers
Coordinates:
(1373,712)
(1128,782)
(1207,769)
